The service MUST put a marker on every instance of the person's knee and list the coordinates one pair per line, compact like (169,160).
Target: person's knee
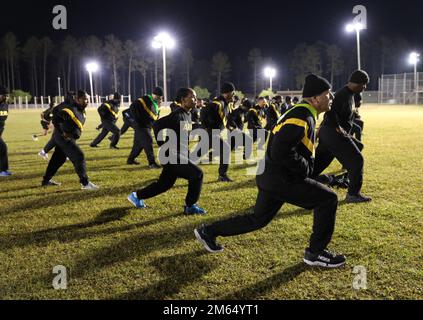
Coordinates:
(332,197)
(260,221)
(78,156)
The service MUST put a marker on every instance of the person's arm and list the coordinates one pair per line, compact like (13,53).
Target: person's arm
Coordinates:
(160,125)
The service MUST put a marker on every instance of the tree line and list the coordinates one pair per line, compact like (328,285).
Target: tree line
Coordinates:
(132,67)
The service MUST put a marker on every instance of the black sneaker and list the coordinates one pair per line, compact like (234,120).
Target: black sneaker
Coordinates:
(154,166)
(224,178)
(133,162)
(340,181)
(325,259)
(50,183)
(114,147)
(207,241)
(357,199)
(94,146)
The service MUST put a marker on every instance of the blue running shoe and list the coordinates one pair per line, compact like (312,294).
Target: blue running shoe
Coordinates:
(5,174)
(135,201)
(194,209)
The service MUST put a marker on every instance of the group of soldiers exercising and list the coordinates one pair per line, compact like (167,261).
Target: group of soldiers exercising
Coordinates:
(293,165)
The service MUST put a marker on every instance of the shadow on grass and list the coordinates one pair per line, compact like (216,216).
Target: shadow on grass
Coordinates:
(259,289)
(78,196)
(238,185)
(178,271)
(78,231)
(145,243)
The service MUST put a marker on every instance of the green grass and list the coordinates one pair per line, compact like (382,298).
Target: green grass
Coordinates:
(113,251)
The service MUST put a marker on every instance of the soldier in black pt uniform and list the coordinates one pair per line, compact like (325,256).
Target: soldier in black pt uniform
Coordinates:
(4,113)
(255,118)
(286,179)
(179,165)
(46,117)
(214,118)
(70,97)
(68,121)
(335,140)
(236,121)
(109,114)
(272,116)
(145,111)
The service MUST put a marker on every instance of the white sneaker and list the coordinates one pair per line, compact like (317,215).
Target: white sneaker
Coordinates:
(34,137)
(43,155)
(90,186)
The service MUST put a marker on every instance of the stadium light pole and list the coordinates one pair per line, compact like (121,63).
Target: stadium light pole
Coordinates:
(357,27)
(91,68)
(414,59)
(60,93)
(270,73)
(163,41)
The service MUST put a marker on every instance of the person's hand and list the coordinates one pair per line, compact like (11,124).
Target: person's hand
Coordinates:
(67,136)
(341,131)
(318,131)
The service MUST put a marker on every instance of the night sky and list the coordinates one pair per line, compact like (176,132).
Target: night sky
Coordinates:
(232,26)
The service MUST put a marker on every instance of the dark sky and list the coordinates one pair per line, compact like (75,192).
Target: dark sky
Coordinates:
(232,26)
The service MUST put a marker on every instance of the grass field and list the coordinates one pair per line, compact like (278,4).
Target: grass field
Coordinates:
(113,251)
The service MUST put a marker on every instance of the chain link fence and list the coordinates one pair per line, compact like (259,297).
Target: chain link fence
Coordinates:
(405,88)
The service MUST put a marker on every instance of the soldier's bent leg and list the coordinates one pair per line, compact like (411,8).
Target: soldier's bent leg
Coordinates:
(194,175)
(347,151)
(166,181)
(147,145)
(57,160)
(101,136)
(111,127)
(137,147)
(76,156)
(267,206)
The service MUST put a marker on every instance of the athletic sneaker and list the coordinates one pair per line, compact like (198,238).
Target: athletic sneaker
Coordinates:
(5,174)
(43,155)
(132,198)
(207,241)
(94,146)
(224,178)
(50,183)
(114,147)
(357,199)
(194,209)
(325,259)
(34,137)
(90,187)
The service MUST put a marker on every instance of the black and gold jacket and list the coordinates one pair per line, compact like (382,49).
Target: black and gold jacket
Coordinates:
(291,146)
(4,113)
(69,119)
(109,111)
(215,114)
(145,111)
